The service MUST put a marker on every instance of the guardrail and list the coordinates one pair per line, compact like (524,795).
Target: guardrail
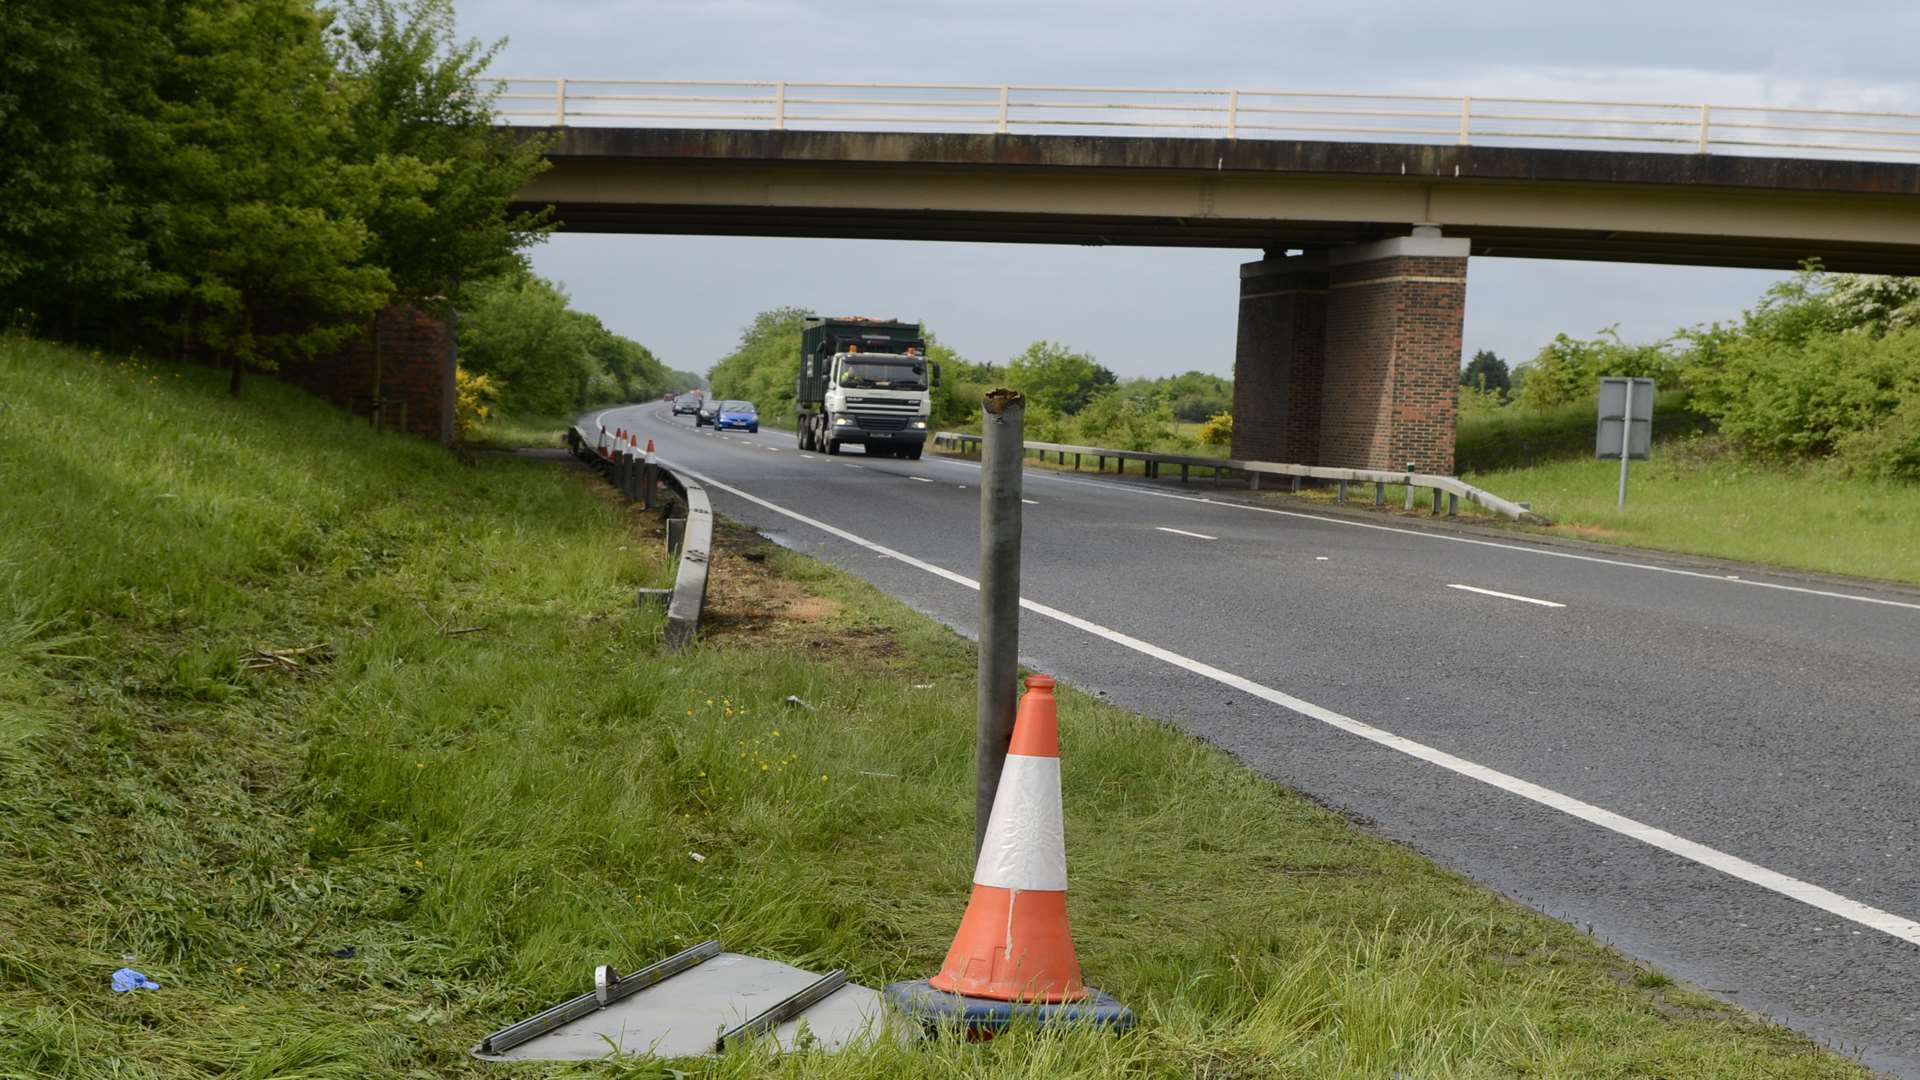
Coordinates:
(1701,128)
(1452,487)
(638,476)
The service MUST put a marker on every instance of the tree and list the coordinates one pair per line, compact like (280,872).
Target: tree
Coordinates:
(420,97)
(1194,396)
(519,331)
(1569,369)
(1056,377)
(265,237)
(1485,372)
(763,368)
(76,96)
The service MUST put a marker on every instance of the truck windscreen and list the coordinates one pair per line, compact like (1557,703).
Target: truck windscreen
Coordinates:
(901,374)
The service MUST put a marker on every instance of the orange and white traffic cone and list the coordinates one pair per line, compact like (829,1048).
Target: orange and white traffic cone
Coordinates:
(649,447)
(1013,943)
(1014,956)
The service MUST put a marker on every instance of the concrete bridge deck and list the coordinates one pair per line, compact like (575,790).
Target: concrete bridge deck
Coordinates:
(1694,209)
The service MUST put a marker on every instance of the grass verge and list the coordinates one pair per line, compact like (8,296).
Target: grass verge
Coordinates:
(361,752)
(1697,497)
(502,432)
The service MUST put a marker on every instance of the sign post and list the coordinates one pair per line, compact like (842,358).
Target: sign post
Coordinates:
(1626,424)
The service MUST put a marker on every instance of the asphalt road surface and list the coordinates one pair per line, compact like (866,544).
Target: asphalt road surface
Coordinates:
(1712,768)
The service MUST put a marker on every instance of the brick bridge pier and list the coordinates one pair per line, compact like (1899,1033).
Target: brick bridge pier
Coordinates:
(1351,356)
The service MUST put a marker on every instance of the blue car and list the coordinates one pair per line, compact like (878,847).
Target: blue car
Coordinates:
(737,415)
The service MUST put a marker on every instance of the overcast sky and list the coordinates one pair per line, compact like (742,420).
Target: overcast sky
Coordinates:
(1148,311)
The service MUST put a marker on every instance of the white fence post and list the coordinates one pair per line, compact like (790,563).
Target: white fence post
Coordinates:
(780,105)
(1233,114)
(1003,110)
(560,102)
(1466,119)
(1706,126)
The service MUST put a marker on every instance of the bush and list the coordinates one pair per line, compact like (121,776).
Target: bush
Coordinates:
(1115,420)
(473,402)
(1218,430)
(1569,370)
(1784,399)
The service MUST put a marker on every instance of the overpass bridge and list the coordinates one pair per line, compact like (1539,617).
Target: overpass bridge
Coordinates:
(1367,208)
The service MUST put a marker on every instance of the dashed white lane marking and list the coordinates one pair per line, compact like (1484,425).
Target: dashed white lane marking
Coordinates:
(1734,579)
(1030,502)
(922,479)
(770,449)
(1833,903)
(851,465)
(1183,532)
(1505,595)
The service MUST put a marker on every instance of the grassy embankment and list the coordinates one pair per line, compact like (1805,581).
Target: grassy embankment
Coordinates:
(361,752)
(1695,494)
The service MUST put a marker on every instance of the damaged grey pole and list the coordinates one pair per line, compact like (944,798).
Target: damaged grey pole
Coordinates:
(1003,422)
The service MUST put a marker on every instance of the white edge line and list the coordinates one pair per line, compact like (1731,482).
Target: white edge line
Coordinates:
(1426,535)
(1183,532)
(1505,595)
(1815,896)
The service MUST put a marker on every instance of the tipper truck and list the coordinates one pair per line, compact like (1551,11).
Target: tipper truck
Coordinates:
(864,381)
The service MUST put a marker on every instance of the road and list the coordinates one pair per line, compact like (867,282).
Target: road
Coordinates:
(1713,769)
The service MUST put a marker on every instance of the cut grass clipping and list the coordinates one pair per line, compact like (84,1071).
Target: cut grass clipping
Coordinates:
(361,753)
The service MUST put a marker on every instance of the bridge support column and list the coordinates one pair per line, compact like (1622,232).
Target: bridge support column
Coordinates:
(1394,315)
(1352,357)
(1279,358)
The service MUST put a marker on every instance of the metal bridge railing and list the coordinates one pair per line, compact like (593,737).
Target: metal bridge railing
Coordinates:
(1230,114)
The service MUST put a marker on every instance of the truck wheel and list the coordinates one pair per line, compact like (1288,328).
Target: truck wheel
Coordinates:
(913,453)
(833,446)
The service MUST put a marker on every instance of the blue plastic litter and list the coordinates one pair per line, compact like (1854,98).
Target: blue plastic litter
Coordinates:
(126,980)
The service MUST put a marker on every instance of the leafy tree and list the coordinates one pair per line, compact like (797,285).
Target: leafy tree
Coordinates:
(420,97)
(77,84)
(1569,369)
(963,385)
(1056,377)
(1487,372)
(763,368)
(1194,396)
(1117,420)
(265,234)
(539,353)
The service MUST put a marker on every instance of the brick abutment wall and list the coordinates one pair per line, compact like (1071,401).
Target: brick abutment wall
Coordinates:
(1353,364)
(409,382)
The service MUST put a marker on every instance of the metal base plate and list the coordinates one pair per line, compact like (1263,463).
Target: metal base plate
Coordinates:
(931,1008)
(682,1016)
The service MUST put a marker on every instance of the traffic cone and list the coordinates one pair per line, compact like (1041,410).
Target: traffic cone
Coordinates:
(1013,957)
(649,447)
(1013,943)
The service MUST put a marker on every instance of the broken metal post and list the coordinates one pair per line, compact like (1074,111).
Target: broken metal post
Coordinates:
(1003,414)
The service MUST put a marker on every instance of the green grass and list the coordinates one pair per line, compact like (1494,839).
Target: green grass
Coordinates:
(485,776)
(1694,496)
(501,432)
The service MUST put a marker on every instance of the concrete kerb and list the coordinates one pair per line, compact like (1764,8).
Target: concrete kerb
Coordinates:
(1452,487)
(692,535)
